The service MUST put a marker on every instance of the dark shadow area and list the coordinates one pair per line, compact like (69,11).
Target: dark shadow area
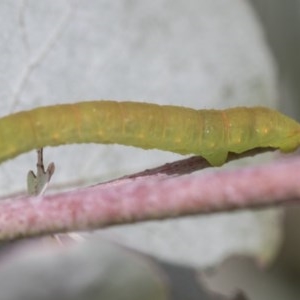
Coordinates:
(281,21)
(185,285)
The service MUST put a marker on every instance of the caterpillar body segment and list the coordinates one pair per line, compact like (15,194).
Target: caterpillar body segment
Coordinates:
(208,133)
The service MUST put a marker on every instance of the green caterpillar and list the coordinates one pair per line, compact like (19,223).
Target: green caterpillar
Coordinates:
(208,133)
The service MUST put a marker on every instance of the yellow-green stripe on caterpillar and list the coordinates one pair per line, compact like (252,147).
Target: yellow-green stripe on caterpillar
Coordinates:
(208,133)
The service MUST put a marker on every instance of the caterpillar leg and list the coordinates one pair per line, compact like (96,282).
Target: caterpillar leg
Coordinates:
(216,159)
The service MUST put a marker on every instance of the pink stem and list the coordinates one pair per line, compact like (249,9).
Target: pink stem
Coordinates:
(143,199)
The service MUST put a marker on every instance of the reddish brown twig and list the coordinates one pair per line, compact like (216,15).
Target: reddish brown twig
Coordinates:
(182,167)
